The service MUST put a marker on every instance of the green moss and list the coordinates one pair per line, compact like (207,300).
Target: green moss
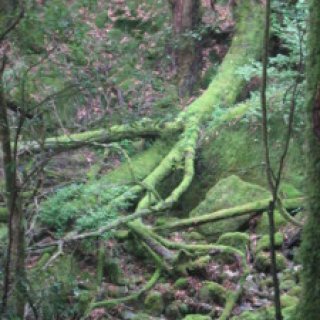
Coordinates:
(121,235)
(289,312)
(194,236)
(295,291)
(289,301)
(263,224)
(173,310)
(288,191)
(154,303)
(263,262)
(237,240)
(228,192)
(142,164)
(181,283)
(286,285)
(212,292)
(113,271)
(101,19)
(264,243)
(142,316)
(196,317)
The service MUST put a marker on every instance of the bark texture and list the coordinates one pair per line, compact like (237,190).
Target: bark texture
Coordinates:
(185,19)
(309,308)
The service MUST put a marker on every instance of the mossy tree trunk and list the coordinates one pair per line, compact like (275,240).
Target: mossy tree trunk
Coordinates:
(186,19)
(13,296)
(309,308)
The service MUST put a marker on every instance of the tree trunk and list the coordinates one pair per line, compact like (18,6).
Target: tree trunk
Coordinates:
(309,308)
(13,292)
(186,19)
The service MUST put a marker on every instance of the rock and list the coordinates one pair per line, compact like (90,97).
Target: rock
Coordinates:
(228,192)
(238,240)
(264,242)
(173,310)
(154,303)
(181,283)
(196,317)
(212,292)
(263,262)
(263,224)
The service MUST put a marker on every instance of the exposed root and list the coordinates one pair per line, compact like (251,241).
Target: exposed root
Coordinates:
(113,302)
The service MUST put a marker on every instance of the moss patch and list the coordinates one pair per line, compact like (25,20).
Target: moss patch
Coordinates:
(237,240)
(212,292)
(264,243)
(154,303)
(228,192)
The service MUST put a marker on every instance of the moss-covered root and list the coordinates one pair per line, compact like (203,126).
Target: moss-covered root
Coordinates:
(114,302)
(144,128)
(248,208)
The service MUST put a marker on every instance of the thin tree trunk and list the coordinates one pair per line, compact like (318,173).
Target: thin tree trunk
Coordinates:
(13,299)
(13,294)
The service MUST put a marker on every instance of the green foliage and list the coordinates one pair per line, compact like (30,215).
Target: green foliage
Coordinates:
(53,289)
(83,206)
(285,66)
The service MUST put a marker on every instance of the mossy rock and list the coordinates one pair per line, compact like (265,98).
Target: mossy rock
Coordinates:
(154,303)
(212,292)
(288,301)
(194,236)
(238,240)
(228,192)
(173,310)
(196,317)
(263,262)
(142,316)
(181,283)
(263,224)
(295,291)
(264,243)
(287,285)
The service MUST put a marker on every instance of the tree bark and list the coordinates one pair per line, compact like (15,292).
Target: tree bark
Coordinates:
(186,19)
(13,293)
(309,307)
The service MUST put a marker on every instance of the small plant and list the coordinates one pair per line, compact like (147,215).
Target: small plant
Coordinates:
(83,206)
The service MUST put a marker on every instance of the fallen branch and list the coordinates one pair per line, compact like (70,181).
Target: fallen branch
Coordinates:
(248,208)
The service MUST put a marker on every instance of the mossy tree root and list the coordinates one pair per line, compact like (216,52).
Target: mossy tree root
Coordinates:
(145,128)
(114,302)
(248,208)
